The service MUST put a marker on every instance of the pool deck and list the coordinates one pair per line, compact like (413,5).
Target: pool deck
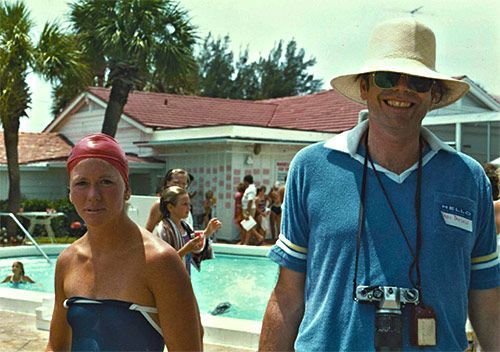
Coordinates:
(18,332)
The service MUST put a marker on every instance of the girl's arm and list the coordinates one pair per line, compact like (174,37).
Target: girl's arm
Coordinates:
(7,279)
(192,245)
(28,279)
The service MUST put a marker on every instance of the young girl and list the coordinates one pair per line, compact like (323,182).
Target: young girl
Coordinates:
(18,275)
(174,205)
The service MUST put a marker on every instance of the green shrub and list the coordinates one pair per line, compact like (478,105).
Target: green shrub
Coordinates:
(60,225)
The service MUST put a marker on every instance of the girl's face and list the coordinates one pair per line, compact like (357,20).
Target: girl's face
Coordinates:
(97,191)
(16,268)
(181,209)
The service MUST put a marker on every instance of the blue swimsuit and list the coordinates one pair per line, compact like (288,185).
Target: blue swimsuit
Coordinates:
(112,325)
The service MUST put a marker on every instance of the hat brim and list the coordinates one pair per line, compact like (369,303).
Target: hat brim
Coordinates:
(348,84)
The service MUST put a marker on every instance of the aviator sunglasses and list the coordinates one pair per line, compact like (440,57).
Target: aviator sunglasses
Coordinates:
(387,80)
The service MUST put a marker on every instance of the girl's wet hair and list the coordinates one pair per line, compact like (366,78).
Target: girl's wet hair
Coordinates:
(170,195)
(21,265)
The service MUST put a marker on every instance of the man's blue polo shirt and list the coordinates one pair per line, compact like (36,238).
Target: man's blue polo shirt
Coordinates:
(319,226)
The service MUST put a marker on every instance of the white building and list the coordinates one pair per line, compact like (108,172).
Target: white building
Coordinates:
(220,140)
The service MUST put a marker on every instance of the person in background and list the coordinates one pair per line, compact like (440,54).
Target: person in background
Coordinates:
(492,173)
(110,291)
(275,207)
(249,195)
(387,211)
(173,177)
(249,208)
(174,205)
(190,188)
(18,275)
(208,205)
(238,211)
(262,211)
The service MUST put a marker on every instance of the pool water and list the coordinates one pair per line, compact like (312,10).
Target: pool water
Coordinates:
(243,281)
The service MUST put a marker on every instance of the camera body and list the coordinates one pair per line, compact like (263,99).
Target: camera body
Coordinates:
(387,297)
(388,320)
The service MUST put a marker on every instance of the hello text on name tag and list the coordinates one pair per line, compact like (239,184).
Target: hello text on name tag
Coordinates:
(457,217)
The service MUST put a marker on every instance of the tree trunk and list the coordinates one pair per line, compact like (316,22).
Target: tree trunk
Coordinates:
(117,100)
(11,141)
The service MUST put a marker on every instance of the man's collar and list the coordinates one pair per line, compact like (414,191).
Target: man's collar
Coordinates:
(348,141)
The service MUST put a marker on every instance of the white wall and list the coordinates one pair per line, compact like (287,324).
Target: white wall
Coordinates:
(89,120)
(220,167)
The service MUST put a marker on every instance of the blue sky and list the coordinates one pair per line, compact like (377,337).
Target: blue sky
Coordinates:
(335,32)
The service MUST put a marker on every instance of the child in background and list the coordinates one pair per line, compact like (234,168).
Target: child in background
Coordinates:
(18,275)
(208,206)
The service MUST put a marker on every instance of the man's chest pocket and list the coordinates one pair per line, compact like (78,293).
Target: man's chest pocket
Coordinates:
(454,219)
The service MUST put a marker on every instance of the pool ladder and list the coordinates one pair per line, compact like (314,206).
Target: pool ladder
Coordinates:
(23,229)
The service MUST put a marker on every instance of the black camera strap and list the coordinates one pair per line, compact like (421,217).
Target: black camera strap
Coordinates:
(361,218)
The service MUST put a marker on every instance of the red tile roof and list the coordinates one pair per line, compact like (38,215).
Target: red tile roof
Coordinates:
(49,146)
(159,110)
(325,111)
(36,147)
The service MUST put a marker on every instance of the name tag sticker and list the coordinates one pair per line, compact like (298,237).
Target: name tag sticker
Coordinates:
(457,221)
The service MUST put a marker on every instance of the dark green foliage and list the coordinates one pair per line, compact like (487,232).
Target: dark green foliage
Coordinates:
(281,74)
(216,68)
(61,225)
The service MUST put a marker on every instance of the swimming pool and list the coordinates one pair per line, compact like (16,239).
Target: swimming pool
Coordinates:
(244,281)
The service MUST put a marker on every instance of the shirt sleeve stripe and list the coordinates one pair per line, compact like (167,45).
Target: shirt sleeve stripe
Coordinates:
(485,265)
(289,251)
(484,258)
(289,244)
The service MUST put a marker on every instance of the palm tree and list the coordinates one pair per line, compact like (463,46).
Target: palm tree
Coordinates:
(53,56)
(135,44)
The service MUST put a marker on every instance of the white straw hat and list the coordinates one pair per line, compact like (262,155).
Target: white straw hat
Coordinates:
(404,46)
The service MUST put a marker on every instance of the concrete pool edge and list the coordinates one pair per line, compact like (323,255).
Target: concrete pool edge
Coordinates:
(231,332)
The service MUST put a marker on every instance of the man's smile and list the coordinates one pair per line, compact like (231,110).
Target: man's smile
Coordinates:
(398,104)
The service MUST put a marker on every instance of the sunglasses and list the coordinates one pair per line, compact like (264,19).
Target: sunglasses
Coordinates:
(387,80)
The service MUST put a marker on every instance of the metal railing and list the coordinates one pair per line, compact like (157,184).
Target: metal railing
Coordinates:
(23,229)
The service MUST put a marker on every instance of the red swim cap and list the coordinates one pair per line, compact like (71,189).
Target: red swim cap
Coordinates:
(100,146)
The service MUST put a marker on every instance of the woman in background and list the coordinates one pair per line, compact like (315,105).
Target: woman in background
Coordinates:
(117,288)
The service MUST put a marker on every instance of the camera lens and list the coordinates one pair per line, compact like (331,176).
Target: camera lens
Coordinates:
(388,331)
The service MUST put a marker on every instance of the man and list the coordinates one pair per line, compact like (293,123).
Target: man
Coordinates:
(249,208)
(248,199)
(357,205)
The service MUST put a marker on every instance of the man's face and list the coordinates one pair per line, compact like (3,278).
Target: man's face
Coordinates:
(397,110)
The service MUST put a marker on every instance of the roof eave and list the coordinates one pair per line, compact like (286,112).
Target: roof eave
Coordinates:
(226,133)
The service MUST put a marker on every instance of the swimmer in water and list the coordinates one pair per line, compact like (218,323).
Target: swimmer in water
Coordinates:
(18,275)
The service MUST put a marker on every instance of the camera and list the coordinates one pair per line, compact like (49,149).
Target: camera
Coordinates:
(388,320)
